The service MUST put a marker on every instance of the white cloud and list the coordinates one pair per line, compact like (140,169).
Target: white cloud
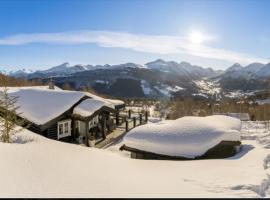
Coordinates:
(157,44)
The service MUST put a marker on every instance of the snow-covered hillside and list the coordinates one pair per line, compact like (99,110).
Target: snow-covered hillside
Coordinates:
(40,167)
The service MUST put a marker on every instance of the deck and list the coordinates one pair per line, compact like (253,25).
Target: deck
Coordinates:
(116,135)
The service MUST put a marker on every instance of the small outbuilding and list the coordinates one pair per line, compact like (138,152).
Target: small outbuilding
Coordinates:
(185,138)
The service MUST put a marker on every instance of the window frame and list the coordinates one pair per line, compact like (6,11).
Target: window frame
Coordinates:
(65,133)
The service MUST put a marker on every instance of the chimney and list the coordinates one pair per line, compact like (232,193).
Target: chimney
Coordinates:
(51,84)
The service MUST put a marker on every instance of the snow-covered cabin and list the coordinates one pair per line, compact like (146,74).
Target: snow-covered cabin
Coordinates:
(185,138)
(66,115)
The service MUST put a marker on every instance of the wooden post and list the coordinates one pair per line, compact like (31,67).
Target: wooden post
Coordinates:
(140,118)
(126,125)
(129,114)
(146,116)
(117,118)
(86,132)
(134,121)
(103,125)
(73,129)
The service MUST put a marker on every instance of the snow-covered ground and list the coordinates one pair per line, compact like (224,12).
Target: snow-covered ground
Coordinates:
(208,87)
(40,167)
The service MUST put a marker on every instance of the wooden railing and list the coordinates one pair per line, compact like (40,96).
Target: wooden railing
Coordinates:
(131,119)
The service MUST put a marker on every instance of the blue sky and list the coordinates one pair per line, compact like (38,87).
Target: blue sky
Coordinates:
(39,34)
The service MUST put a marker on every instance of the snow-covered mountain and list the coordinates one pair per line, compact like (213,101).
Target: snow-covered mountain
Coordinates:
(182,69)
(234,68)
(19,73)
(264,71)
(65,69)
(253,70)
(154,79)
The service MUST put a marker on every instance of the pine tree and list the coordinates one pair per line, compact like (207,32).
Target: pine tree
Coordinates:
(9,121)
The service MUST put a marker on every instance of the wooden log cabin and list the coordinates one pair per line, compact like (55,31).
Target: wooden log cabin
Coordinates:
(70,116)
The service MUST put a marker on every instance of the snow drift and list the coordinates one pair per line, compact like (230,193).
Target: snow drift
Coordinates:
(40,167)
(188,137)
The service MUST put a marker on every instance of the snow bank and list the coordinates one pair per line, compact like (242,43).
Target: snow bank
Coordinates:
(42,105)
(186,137)
(44,168)
(89,106)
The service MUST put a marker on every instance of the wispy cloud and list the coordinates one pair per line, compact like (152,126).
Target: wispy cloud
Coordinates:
(157,44)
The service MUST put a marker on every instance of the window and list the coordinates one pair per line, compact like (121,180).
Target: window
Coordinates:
(93,122)
(64,128)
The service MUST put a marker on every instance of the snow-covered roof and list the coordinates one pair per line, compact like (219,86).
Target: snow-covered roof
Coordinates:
(185,137)
(89,106)
(40,105)
(113,102)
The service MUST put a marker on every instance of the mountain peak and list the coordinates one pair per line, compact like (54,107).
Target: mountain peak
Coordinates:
(156,61)
(65,64)
(234,67)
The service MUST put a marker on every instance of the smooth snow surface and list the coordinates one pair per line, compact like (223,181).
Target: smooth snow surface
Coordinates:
(40,167)
(187,136)
(88,107)
(42,105)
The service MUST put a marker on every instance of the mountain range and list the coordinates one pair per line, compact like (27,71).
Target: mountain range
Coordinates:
(158,78)
(182,69)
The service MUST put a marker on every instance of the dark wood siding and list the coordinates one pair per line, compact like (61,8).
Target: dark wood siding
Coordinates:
(52,131)
(224,149)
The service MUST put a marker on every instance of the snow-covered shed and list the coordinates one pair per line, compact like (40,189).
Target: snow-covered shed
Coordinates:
(57,113)
(185,138)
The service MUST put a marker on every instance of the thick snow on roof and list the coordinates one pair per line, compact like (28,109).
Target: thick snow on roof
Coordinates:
(42,105)
(113,102)
(89,106)
(186,137)
(39,104)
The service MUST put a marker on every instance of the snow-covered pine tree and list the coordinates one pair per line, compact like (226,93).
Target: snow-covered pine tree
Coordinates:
(9,121)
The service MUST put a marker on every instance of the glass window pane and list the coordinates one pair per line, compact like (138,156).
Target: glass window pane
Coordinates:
(60,129)
(66,127)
